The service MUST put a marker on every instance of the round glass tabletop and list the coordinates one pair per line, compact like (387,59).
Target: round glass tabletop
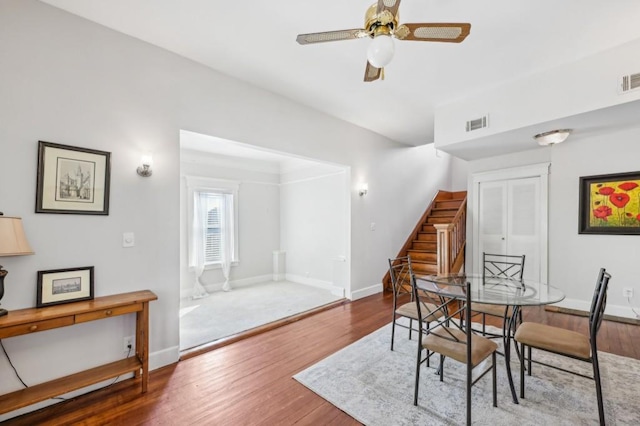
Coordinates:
(492,290)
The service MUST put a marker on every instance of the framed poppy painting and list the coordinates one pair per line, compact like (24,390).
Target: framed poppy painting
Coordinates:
(610,204)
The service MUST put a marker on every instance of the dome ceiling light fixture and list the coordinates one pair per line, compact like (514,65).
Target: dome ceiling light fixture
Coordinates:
(552,137)
(381,25)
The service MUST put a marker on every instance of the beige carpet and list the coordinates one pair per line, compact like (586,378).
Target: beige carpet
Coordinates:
(223,314)
(375,386)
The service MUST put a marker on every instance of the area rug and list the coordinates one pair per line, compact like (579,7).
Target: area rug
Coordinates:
(375,386)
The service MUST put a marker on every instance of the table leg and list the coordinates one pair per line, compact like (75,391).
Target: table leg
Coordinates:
(507,349)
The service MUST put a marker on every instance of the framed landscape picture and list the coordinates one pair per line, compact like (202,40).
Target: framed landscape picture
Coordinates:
(610,204)
(58,286)
(72,180)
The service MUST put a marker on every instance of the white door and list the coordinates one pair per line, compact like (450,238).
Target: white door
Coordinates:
(511,219)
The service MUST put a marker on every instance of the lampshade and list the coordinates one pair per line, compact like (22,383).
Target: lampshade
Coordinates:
(552,137)
(380,51)
(13,242)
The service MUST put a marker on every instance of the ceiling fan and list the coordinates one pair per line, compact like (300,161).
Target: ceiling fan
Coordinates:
(381,24)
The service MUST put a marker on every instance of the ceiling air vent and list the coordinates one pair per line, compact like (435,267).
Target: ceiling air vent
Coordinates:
(629,82)
(478,123)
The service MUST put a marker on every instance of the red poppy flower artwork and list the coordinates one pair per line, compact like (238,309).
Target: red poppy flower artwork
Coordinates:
(619,200)
(610,204)
(602,212)
(628,186)
(607,190)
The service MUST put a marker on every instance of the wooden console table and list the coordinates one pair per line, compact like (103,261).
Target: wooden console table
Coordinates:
(32,320)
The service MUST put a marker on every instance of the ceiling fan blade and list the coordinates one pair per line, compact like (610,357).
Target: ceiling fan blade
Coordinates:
(390,5)
(448,32)
(372,73)
(331,36)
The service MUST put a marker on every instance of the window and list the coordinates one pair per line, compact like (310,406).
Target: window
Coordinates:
(213,211)
(213,222)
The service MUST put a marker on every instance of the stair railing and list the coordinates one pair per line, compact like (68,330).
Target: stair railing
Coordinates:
(451,239)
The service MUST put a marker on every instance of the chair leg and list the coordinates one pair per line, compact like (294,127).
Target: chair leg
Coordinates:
(522,369)
(417,384)
(529,361)
(410,327)
(596,377)
(441,368)
(393,330)
(483,325)
(495,381)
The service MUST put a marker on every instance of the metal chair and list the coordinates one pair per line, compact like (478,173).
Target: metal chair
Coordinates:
(566,342)
(403,304)
(452,336)
(499,266)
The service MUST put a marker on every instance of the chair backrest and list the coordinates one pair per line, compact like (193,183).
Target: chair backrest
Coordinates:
(443,289)
(502,265)
(400,272)
(598,304)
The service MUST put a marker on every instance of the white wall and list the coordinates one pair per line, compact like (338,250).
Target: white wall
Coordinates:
(574,259)
(577,87)
(314,227)
(70,81)
(258,217)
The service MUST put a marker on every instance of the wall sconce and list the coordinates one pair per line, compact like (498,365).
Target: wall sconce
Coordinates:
(363,188)
(13,242)
(552,137)
(145,169)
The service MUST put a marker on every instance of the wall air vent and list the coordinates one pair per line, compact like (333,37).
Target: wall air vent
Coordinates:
(629,82)
(478,123)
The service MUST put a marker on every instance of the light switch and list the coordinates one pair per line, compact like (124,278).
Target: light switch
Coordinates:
(372,226)
(128,239)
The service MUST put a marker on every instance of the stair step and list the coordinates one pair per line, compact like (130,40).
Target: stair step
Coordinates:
(432,219)
(428,229)
(424,245)
(448,204)
(422,255)
(427,236)
(443,212)
(424,268)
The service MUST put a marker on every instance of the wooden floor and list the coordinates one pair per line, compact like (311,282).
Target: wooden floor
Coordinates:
(249,382)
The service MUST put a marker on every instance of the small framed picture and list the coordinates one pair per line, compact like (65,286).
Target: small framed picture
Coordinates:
(59,286)
(72,180)
(610,204)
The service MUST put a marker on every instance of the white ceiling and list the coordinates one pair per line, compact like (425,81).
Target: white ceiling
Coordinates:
(255,42)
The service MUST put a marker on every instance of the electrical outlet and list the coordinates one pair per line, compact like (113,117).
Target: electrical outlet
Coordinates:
(627,292)
(127,344)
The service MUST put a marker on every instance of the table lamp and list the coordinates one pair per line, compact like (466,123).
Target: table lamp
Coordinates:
(13,242)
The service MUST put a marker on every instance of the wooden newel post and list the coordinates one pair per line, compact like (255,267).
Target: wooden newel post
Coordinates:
(444,247)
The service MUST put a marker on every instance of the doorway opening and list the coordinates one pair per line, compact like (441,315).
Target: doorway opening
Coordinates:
(291,237)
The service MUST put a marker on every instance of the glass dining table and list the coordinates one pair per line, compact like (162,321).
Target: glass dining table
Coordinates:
(500,291)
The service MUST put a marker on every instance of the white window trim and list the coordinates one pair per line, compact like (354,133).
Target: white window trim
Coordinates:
(198,184)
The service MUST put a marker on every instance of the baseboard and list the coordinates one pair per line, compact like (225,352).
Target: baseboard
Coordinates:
(243,282)
(164,357)
(580,308)
(368,291)
(327,285)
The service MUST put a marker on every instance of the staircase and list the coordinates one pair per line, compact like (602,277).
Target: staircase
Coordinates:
(442,224)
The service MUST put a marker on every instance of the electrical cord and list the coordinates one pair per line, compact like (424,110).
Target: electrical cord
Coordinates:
(57,397)
(11,364)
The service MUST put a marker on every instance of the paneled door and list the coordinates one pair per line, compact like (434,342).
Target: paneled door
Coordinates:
(510,217)
(510,221)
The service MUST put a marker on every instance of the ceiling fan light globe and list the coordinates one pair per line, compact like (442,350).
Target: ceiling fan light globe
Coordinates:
(380,51)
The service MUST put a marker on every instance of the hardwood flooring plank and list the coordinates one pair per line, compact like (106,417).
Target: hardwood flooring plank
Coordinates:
(250,381)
